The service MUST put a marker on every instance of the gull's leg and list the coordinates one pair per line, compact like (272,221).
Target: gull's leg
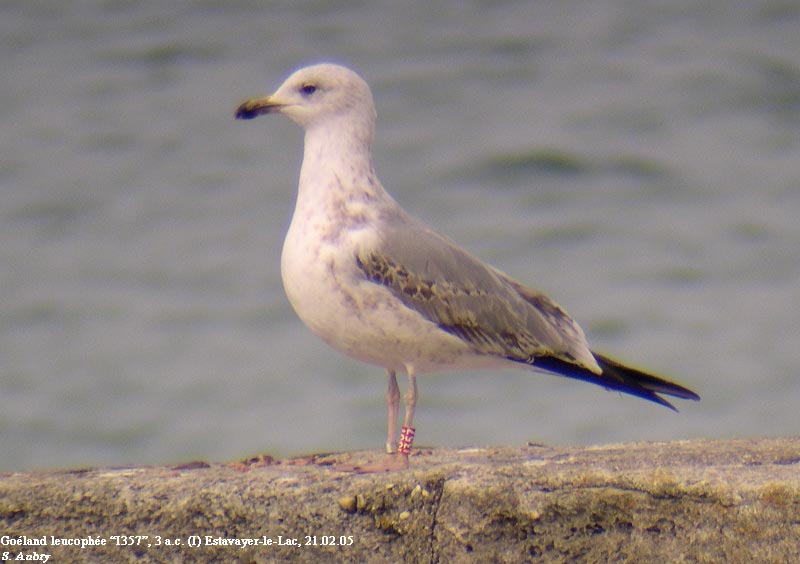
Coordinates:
(407,432)
(392,406)
(400,460)
(410,398)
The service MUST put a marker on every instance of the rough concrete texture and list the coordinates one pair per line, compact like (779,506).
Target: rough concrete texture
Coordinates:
(694,501)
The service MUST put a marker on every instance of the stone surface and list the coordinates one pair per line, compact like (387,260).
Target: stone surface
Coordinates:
(693,501)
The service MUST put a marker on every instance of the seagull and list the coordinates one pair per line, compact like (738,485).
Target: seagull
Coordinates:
(382,287)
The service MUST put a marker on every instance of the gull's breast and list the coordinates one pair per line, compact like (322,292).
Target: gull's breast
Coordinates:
(357,317)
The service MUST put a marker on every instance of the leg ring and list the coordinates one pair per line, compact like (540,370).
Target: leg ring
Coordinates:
(406,440)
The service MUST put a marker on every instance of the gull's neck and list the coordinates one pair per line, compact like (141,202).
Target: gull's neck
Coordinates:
(337,162)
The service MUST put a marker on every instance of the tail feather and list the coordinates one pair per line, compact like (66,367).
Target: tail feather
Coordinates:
(616,376)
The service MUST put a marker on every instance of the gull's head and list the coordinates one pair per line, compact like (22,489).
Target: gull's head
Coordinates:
(314,95)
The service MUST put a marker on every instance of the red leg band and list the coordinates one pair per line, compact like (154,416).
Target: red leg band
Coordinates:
(406,440)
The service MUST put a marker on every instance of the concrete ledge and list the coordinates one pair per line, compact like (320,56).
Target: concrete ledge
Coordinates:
(693,501)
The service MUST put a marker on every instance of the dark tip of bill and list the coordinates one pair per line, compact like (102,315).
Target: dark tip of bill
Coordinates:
(244,113)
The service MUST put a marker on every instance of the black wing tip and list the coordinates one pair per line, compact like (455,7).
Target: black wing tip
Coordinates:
(650,383)
(642,393)
(689,395)
(672,390)
(654,397)
(685,394)
(620,378)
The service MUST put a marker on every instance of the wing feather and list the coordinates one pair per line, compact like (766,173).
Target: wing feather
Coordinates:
(496,314)
(467,298)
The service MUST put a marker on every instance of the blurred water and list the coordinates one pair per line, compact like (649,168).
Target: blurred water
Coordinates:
(636,160)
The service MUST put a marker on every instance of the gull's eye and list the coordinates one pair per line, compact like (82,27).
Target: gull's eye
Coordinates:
(308,89)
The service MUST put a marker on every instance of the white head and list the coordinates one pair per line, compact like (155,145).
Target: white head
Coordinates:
(315,95)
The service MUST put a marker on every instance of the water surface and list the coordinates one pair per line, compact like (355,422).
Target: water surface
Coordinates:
(637,161)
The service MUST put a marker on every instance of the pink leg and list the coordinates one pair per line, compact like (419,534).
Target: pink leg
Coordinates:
(407,433)
(392,405)
(399,460)
(399,452)
(410,399)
